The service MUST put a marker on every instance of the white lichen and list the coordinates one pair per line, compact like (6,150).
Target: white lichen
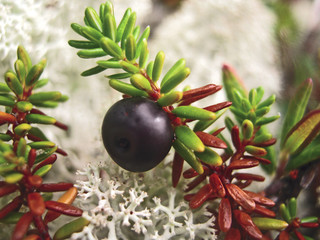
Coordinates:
(123,205)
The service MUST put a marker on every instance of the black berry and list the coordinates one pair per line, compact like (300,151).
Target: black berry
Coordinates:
(137,134)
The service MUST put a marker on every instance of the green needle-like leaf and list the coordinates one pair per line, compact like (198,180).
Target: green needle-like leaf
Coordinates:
(170,98)
(246,105)
(26,155)
(38,133)
(229,123)
(122,25)
(263,137)
(5,147)
(237,98)
(262,111)
(11,218)
(188,155)
(129,28)
(268,102)
(130,48)
(204,124)
(284,212)
(44,170)
(4,88)
(136,32)
(21,148)
(5,137)
(34,74)
(63,98)
(127,88)
(83,44)
(120,75)
(189,138)
(266,120)
(140,82)
(247,129)
(91,34)
(158,65)
(111,47)
(7,168)
(109,26)
(255,151)
(40,83)
(20,70)
(22,129)
(107,8)
(24,57)
(45,96)
(41,119)
(13,177)
(68,229)
(129,67)
(177,67)
(93,18)
(6,101)
(210,157)
(45,154)
(269,223)
(109,64)
(303,132)
(144,36)
(41,144)
(144,55)
(174,80)
(292,206)
(253,97)
(260,93)
(309,219)
(13,83)
(47,104)
(91,53)
(193,113)
(150,68)
(92,71)
(78,29)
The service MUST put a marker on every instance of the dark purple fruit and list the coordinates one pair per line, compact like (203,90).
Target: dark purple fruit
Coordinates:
(137,134)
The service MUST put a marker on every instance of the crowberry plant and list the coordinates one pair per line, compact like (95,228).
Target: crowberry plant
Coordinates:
(128,50)
(242,214)
(27,155)
(138,133)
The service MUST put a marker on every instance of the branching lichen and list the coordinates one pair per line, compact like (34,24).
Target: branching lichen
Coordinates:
(118,203)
